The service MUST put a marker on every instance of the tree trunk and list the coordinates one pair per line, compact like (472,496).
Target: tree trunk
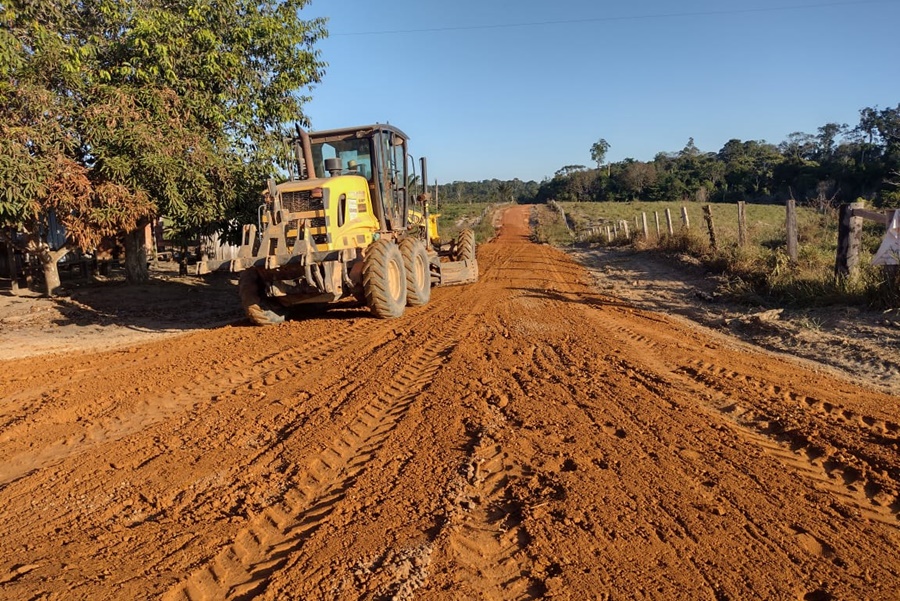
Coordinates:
(136,268)
(50,267)
(10,266)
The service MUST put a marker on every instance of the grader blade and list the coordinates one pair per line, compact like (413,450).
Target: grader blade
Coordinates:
(459,272)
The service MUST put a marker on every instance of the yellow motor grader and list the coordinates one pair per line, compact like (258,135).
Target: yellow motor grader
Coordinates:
(345,224)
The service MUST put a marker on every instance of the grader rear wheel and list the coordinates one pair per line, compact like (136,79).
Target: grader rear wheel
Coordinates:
(418,273)
(384,279)
(259,309)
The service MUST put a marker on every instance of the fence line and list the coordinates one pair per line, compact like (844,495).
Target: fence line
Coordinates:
(847,260)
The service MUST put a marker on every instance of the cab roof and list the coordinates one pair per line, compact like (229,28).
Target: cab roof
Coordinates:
(360,131)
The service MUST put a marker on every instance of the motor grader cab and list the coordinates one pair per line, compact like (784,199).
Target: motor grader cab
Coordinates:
(345,225)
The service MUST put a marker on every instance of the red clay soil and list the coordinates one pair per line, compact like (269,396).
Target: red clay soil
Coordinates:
(522,437)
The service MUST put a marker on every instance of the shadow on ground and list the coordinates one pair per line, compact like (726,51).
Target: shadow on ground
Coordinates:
(164,303)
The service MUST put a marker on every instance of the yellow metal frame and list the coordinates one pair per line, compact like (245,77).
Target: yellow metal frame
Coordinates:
(416,219)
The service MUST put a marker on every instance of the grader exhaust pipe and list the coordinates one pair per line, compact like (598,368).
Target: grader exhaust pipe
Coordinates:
(307,151)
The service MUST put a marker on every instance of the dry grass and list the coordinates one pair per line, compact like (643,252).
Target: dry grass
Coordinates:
(759,272)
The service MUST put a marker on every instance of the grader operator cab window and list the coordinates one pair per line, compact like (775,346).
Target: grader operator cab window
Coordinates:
(358,151)
(392,150)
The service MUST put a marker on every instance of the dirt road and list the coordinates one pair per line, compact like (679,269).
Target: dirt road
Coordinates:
(518,438)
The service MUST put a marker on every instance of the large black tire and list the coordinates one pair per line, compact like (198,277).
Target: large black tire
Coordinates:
(465,246)
(418,272)
(384,279)
(260,310)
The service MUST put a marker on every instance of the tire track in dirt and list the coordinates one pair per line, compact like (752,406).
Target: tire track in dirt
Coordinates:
(118,506)
(281,367)
(223,378)
(621,423)
(563,445)
(243,568)
(881,431)
(226,377)
(666,389)
(826,465)
(484,533)
(821,461)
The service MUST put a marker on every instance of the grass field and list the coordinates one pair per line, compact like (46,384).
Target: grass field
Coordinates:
(454,217)
(760,271)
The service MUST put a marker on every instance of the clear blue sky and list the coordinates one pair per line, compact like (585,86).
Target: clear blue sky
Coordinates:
(488,89)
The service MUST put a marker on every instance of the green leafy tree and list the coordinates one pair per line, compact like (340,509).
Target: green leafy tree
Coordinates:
(799,146)
(504,192)
(569,169)
(117,110)
(598,151)
(827,138)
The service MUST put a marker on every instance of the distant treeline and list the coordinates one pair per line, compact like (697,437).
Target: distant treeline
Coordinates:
(489,190)
(839,163)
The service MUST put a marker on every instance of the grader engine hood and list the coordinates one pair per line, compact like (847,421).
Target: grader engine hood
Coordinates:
(302,221)
(337,210)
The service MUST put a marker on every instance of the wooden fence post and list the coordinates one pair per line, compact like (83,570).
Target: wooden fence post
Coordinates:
(644,223)
(849,236)
(625,228)
(707,215)
(562,215)
(656,217)
(742,224)
(791,225)
(685,220)
(616,229)
(609,237)
(669,222)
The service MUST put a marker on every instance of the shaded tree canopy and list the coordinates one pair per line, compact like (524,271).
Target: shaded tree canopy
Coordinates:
(114,110)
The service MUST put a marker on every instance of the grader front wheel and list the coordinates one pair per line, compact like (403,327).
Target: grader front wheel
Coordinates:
(465,246)
(384,279)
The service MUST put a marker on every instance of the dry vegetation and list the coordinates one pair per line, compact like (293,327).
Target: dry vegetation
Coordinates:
(760,272)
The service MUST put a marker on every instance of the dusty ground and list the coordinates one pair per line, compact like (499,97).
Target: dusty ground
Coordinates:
(523,437)
(110,314)
(857,343)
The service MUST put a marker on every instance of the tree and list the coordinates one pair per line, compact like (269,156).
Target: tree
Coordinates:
(43,170)
(799,146)
(504,192)
(116,110)
(827,138)
(598,151)
(567,169)
(690,150)
(637,177)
